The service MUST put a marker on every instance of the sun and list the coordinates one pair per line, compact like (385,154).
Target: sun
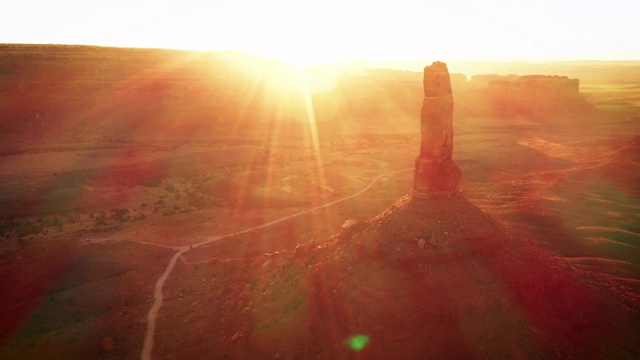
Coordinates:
(298,55)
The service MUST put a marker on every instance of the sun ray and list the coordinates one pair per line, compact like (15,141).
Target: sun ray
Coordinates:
(313,131)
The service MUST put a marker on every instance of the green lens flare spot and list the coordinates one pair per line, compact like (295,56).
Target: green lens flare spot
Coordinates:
(358,342)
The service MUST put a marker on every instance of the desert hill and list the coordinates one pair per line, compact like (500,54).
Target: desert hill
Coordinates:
(427,278)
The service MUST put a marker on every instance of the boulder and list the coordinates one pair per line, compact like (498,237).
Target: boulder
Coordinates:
(349,227)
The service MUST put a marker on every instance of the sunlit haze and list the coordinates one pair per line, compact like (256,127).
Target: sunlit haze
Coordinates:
(307,179)
(328,31)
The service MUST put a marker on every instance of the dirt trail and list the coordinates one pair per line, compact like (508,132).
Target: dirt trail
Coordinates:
(157,293)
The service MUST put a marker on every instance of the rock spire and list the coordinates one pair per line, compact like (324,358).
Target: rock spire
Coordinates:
(435,173)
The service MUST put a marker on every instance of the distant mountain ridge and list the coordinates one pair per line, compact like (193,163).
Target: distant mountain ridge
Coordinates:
(106,94)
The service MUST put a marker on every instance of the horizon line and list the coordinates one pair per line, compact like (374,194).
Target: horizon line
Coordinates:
(347,60)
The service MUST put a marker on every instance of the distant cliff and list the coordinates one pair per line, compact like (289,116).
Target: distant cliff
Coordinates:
(48,92)
(530,95)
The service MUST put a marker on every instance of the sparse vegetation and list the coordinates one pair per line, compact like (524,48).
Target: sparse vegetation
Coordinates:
(101,219)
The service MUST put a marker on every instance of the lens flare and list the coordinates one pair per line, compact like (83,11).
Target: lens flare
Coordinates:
(358,342)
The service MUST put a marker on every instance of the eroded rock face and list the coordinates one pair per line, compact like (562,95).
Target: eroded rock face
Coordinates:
(435,172)
(529,96)
(536,95)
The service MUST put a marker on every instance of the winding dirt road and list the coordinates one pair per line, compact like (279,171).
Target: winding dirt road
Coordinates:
(157,293)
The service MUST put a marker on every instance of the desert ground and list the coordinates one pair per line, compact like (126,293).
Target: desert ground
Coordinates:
(92,217)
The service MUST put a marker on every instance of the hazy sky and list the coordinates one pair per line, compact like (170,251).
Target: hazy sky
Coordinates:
(327,30)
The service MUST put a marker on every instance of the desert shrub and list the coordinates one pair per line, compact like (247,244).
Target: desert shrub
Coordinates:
(28,228)
(199,202)
(57,223)
(140,217)
(152,182)
(4,228)
(144,205)
(120,215)
(218,202)
(77,316)
(101,219)
(21,232)
(170,188)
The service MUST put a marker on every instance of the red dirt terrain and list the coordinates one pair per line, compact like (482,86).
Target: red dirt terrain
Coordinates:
(470,290)
(537,257)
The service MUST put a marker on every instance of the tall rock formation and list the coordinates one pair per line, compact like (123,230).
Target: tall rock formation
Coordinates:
(435,173)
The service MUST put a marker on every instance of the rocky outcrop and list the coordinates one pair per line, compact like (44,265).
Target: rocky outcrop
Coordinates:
(536,87)
(536,94)
(435,172)
(532,96)
(483,80)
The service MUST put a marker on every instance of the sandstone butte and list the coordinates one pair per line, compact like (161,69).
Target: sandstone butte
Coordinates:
(435,172)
